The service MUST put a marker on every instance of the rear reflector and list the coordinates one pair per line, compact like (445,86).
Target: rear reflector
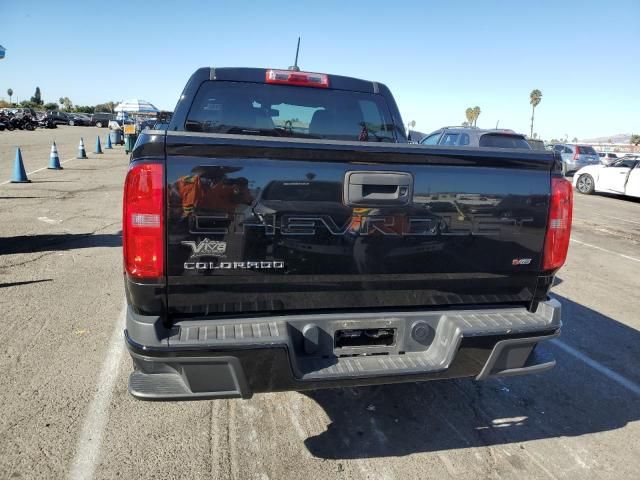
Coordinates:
(556,242)
(576,155)
(143,221)
(301,79)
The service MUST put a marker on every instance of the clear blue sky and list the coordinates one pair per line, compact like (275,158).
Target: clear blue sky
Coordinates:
(437,57)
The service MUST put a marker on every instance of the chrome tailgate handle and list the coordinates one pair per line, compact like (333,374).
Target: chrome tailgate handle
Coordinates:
(376,189)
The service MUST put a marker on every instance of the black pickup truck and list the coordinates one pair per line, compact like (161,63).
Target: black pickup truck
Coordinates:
(282,234)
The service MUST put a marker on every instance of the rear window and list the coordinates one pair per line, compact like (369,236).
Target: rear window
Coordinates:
(289,111)
(587,150)
(627,163)
(536,144)
(497,140)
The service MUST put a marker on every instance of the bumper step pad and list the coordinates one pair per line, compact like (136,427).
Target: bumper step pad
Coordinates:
(196,369)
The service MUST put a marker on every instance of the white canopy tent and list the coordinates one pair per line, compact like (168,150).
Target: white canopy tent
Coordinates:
(136,106)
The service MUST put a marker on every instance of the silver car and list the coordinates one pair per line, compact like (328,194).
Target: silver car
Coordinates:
(607,157)
(574,157)
(476,137)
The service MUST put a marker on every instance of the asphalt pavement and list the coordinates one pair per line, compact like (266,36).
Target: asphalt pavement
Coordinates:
(66,413)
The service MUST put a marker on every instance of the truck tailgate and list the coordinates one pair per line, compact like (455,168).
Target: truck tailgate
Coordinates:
(270,225)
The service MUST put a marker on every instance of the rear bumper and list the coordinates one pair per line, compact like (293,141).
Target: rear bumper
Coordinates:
(230,358)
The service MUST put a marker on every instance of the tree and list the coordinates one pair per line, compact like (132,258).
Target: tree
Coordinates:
(468,113)
(37,97)
(108,107)
(535,97)
(29,104)
(66,103)
(535,135)
(476,114)
(84,109)
(51,106)
(635,140)
(10,93)
(574,140)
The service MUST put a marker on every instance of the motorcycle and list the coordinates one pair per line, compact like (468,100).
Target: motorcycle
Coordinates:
(47,122)
(14,122)
(22,122)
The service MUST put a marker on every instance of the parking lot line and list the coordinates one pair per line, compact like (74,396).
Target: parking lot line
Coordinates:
(616,377)
(605,250)
(38,170)
(615,218)
(90,441)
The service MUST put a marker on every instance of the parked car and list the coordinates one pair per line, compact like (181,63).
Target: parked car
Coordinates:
(574,157)
(415,136)
(117,124)
(621,177)
(536,144)
(59,118)
(144,124)
(25,111)
(160,125)
(102,119)
(607,157)
(330,252)
(79,119)
(476,137)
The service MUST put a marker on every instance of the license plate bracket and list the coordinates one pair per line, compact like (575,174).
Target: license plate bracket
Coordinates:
(364,337)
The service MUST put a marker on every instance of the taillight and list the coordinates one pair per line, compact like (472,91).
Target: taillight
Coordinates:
(143,221)
(577,154)
(301,79)
(559,227)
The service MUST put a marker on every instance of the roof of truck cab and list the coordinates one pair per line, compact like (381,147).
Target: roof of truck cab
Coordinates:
(258,75)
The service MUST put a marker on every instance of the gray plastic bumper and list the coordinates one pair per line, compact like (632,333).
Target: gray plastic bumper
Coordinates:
(237,357)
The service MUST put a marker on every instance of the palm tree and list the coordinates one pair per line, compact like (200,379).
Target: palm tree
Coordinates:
(534,99)
(476,114)
(469,114)
(10,93)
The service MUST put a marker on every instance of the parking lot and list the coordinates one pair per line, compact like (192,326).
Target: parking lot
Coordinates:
(66,411)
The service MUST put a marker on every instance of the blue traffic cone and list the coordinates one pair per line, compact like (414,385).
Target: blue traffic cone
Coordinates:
(107,144)
(82,153)
(98,146)
(54,160)
(19,174)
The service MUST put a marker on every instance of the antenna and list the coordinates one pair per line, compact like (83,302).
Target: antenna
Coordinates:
(295,67)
